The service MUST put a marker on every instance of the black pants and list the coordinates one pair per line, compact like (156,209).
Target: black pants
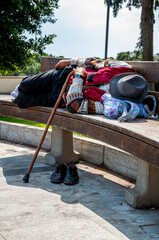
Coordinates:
(42,89)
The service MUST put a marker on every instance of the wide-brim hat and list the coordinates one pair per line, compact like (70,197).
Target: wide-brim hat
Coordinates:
(129,86)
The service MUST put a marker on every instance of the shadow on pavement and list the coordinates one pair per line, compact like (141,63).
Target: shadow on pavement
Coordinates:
(101,196)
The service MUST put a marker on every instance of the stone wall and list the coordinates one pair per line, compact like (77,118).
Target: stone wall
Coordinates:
(90,150)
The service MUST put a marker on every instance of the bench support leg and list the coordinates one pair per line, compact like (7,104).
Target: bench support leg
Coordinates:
(61,148)
(145,194)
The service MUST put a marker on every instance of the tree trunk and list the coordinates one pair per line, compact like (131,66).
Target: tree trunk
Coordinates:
(147,23)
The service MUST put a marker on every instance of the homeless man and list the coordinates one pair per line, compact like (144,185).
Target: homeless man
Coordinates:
(91,81)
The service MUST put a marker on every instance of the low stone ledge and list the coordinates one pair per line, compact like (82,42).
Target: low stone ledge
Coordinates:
(8,83)
(21,133)
(90,150)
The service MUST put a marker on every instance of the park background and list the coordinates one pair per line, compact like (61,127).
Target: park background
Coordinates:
(81,32)
(29,32)
(81,29)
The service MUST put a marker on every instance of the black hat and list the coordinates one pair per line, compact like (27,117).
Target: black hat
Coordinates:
(129,86)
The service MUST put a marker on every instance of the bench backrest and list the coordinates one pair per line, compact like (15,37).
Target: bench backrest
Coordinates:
(148,69)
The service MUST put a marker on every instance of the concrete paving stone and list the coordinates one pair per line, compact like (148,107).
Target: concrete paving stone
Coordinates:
(93,209)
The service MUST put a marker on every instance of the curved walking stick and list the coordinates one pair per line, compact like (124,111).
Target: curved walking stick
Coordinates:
(26,176)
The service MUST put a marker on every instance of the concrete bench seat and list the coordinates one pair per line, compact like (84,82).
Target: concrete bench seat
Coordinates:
(139,137)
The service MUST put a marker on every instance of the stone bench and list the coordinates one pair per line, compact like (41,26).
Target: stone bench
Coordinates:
(139,137)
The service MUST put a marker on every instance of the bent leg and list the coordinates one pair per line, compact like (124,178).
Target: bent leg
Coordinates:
(44,82)
(48,99)
(42,91)
(38,83)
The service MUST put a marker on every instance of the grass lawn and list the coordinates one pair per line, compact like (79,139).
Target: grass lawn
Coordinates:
(18,120)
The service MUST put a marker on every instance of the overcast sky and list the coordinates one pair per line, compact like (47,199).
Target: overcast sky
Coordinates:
(81,27)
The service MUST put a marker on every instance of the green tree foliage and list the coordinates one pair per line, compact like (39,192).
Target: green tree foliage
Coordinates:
(133,56)
(33,66)
(147,22)
(129,56)
(156,57)
(117,4)
(124,56)
(16,18)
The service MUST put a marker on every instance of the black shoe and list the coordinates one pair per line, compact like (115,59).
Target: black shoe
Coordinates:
(58,174)
(71,175)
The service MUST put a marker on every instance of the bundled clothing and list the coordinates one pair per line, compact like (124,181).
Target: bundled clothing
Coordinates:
(80,96)
(84,96)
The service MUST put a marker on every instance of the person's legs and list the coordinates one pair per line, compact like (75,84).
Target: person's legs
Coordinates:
(25,100)
(37,83)
(43,89)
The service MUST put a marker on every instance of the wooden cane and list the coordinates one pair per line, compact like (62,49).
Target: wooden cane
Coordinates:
(26,176)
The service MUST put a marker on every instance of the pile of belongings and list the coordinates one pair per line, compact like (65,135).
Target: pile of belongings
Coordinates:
(113,89)
(128,98)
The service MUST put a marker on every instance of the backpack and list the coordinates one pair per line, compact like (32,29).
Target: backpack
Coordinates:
(124,110)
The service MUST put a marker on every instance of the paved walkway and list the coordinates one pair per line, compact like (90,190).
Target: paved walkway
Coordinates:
(94,209)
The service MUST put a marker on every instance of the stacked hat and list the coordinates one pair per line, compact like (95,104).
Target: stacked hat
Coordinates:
(129,86)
